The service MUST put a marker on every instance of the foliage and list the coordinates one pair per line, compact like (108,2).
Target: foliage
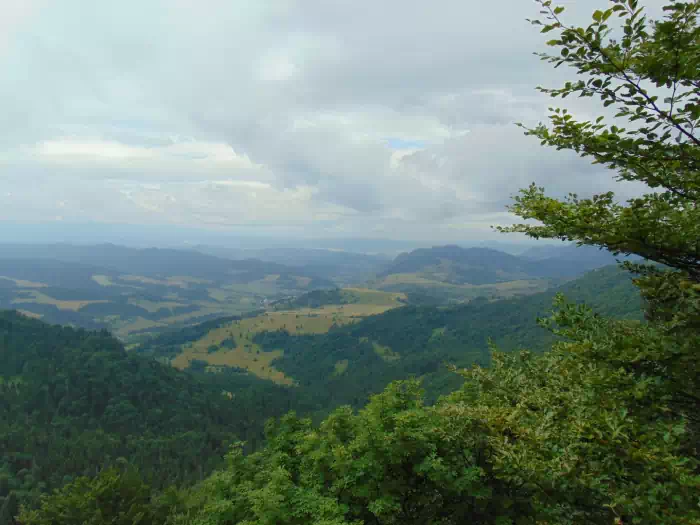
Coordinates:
(650,75)
(429,338)
(112,497)
(396,462)
(73,402)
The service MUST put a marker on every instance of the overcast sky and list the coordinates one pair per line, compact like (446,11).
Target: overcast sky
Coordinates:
(390,118)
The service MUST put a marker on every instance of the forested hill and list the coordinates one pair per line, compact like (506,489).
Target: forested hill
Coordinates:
(349,363)
(73,402)
(477,266)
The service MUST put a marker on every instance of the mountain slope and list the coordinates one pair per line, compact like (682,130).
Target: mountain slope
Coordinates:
(157,262)
(456,265)
(73,402)
(349,363)
(135,292)
(341,267)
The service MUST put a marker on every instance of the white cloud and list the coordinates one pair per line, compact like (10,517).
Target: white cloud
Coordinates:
(393,117)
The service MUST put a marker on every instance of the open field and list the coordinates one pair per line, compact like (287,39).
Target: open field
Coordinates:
(34,296)
(249,356)
(246,355)
(153,306)
(340,367)
(20,283)
(368,296)
(413,282)
(30,314)
(102,280)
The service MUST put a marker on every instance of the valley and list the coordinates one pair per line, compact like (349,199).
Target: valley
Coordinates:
(139,293)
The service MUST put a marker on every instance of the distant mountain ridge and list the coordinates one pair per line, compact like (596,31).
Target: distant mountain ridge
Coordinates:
(342,267)
(155,262)
(476,266)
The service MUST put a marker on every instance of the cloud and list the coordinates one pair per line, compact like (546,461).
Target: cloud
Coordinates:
(323,117)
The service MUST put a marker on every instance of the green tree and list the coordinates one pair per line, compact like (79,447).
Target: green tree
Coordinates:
(648,72)
(9,509)
(113,497)
(606,424)
(395,462)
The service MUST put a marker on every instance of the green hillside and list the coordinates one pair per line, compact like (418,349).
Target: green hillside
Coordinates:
(73,402)
(349,363)
(138,293)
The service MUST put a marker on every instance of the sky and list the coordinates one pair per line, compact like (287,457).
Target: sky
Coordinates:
(295,118)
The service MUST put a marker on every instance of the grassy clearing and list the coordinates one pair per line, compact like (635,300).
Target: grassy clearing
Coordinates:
(33,315)
(218,294)
(186,279)
(179,281)
(102,280)
(153,306)
(41,298)
(367,296)
(21,283)
(340,367)
(525,286)
(463,292)
(123,330)
(437,333)
(247,355)
(303,282)
(385,352)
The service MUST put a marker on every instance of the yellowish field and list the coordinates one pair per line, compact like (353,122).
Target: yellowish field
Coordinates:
(341,367)
(30,314)
(180,281)
(187,279)
(413,278)
(40,298)
(189,316)
(499,290)
(142,279)
(249,356)
(385,352)
(102,280)
(153,306)
(303,282)
(219,295)
(137,324)
(21,283)
(511,288)
(367,296)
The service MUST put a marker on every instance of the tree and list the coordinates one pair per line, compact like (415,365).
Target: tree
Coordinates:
(113,497)
(8,509)
(606,424)
(650,76)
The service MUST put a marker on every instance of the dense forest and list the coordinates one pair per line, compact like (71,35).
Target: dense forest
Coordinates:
(349,363)
(74,402)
